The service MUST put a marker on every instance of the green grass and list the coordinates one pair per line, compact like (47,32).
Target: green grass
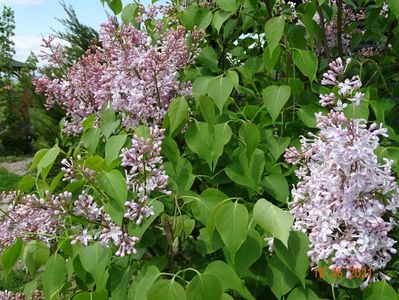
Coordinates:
(8,181)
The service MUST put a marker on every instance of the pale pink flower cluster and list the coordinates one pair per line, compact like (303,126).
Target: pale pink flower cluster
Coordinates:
(71,169)
(345,199)
(137,75)
(144,173)
(348,89)
(331,29)
(8,295)
(384,10)
(34,218)
(101,227)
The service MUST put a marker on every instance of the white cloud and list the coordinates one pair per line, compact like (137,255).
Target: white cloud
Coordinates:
(22,2)
(24,44)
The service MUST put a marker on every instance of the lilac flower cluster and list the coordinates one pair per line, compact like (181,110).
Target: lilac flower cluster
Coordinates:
(71,169)
(102,228)
(8,295)
(44,219)
(331,28)
(345,195)
(144,172)
(33,218)
(136,75)
(348,89)
(384,10)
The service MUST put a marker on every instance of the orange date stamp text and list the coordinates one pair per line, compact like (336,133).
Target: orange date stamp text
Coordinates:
(350,273)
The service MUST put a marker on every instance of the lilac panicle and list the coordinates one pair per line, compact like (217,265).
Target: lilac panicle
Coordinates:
(136,76)
(144,173)
(345,198)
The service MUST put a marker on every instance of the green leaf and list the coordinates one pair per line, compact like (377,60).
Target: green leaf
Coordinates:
(204,286)
(96,163)
(360,111)
(208,58)
(249,134)
(48,159)
(207,108)
(307,115)
(277,145)
(166,290)
(109,123)
(295,256)
(273,219)
(301,293)
(37,158)
(119,282)
(244,171)
(249,253)
(219,89)
(180,174)
(306,61)
(113,147)
(275,97)
(194,16)
(26,183)
(204,204)
(232,225)
(394,7)
(207,141)
(219,17)
(97,295)
(270,58)
(276,185)
(234,77)
(274,30)
(200,85)
(54,276)
(35,254)
(380,290)
(10,256)
(227,5)
(177,112)
(279,277)
(95,259)
(88,122)
(228,278)
(114,185)
(115,5)
(145,282)
(129,13)
(91,138)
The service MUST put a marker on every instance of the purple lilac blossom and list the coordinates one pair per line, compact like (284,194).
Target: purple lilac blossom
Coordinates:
(345,198)
(137,76)
(144,173)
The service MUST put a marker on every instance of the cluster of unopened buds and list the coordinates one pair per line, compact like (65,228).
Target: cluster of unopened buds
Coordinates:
(74,169)
(346,198)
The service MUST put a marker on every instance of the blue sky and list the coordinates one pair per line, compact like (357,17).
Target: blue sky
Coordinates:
(35,18)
